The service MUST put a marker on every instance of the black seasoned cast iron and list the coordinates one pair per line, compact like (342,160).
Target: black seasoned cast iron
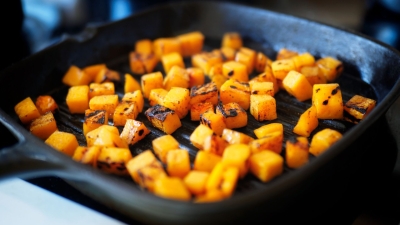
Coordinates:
(346,172)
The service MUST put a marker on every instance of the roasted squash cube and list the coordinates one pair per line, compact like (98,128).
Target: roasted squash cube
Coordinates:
(205,161)
(195,181)
(285,53)
(327,98)
(296,154)
(261,88)
(206,60)
(304,59)
(191,43)
(43,126)
(113,160)
(157,96)
(145,159)
(63,141)
(45,104)
(106,75)
(237,155)
(151,81)
(163,144)
(199,108)
(105,136)
(267,129)
(176,77)
(235,91)
(93,70)
(204,93)
(280,68)
(215,70)
(106,88)
(94,119)
(324,139)
(234,115)
(131,84)
(223,178)
(142,63)
(134,131)
(75,76)
(307,122)
(178,99)
(198,135)
(214,121)
(134,97)
(196,76)
(104,102)
(266,165)
(357,108)
(215,144)
(272,141)
(172,188)
(235,70)
(172,59)
(163,118)
(236,137)
(125,111)
(261,62)
(87,155)
(78,99)
(263,107)
(266,76)
(26,110)
(232,40)
(213,195)
(166,45)
(247,57)
(227,53)
(219,80)
(178,163)
(313,74)
(144,46)
(297,85)
(331,68)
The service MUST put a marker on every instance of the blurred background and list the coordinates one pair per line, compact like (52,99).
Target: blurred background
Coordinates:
(33,25)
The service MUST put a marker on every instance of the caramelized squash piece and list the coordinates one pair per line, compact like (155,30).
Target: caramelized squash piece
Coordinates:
(104,102)
(327,99)
(134,131)
(266,165)
(166,45)
(78,99)
(75,76)
(45,104)
(94,119)
(178,100)
(247,57)
(196,76)
(215,144)
(280,68)
(144,46)
(206,60)
(125,111)
(235,70)
(235,91)
(214,121)
(43,126)
(297,85)
(163,118)
(263,107)
(172,188)
(223,178)
(267,129)
(296,154)
(261,88)
(176,77)
(199,108)
(307,122)
(134,97)
(285,53)
(205,161)
(106,88)
(172,59)
(357,108)
(26,110)
(195,181)
(237,155)
(304,59)
(142,63)
(131,84)
(234,115)
(324,139)
(198,135)
(261,62)
(266,76)
(272,141)
(313,74)
(330,67)
(87,155)
(63,141)
(113,160)
(178,163)
(106,136)
(204,93)
(163,144)
(236,137)
(151,81)
(93,70)
(191,43)
(107,75)
(232,40)
(157,96)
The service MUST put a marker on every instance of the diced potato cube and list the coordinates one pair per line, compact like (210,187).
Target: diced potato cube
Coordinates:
(232,40)
(106,75)
(176,77)
(45,104)
(204,93)
(144,46)
(142,63)
(263,107)
(313,75)
(236,155)
(285,53)
(297,85)
(87,155)
(304,59)
(357,108)
(234,115)
(76,77)
(63,141)
(163,118)
(266,165)
(157,96)
(165,45)
(296,154)
(261,62)
(134,131)
(196,76)
(195,181)
(214,121)
(151,81)
(235,91)
(197,136)
(235,70)
(272,141)
(78,99)
(178,100)
(261,88)
(223,178)
(125,111)
(191,43)
(206,60)
(247,57)
(131,84)
(106,88)
(205,161)
(134,97)
(163,144)
(235,137)
(172,59)
(267,129)
(331,68)
(324,139)
(199,108)
(43,126)
(327,98)
(105,135)
(113,160)
(172,188)
(307,122)
(215,144)
(26,110)
(104,102)
(178,163)
(280,68)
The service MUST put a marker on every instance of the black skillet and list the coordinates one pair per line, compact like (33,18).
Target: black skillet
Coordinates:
(347,171)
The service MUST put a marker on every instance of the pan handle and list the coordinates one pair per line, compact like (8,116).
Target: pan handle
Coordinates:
(23,156)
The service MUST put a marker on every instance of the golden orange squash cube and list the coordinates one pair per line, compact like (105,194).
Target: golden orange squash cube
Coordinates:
(296,154)
(266,165)
(263,107)
(78,99)
(247,57)
(75,76)
(123,112)
(163,144)
(272,141)
(178,100)
(45,104)
(280,68)
(134,131)
(157,96)
(267,129)
(172,188)
(266,76)
(261,62)
(324,139)
(327,99)
(104,102)
(214,121)
(223,178)
(26,110)
(304,59)
(134,97)
(198,135)
(93,70)
(43,126)
(199,108)
(234,115)
(285,53)
(195,181)
(357,108)
(144,46)
(178,163)
(261,88)
(237,155)
(206,60)
(151,81)
(106,75)
(204,93)
(113,160)
(313,74)
(94,119)
(106,88)
(232,40)
(191,43)
(142,63)
(307,122)
(205,161)
(63,141)
(196,76)
(166,45)
(235,137)
(172,59)
(235,91)
(163,118)
(330,67)
(131,84)
(176,77)
(235,70)
(297,85)
(215,144)
(87,155)
(143,160)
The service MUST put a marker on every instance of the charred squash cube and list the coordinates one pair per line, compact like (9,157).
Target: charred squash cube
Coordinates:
(261,88)
(26,110)
(266,76)
(106,88)
(94,119)
(172,59)
(296,154)
(357,108)
(157,96)
(206,60)
(45,104)
(134,131)
(104,102)
(43,126)
(234,115)
(178,100)
(113,160)
(142,63)
(163,118)
(261,62)
(307,122)
(191,43)
(235,91)
(235,70)
(199,108)
(219,80)
(134,97)
(125,111)
(272,141)
(204,93)
(214,121)
(327,98)
(280,68)
(232,40)
(263,107)
(151,81)
(215,144)
(176,77)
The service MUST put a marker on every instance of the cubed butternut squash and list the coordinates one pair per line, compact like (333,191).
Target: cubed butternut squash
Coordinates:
(327,99)
(206,60)
(198,135)
(236,137)
(134,131)
(106,75)
(235,91)
(26,110)
(195,181)
(165,45)
(285,53)
(307,122)
(87,155)
(172,188)
(263,107)
(324,139)
(131,84)
(223,178)
(178,163)
(125,111)
(172,59)
(94,119)
(178,100)
(205,161)
(247,57)
(157,96)
(142,63)
(237,155)
(144,46)
(280,68)
(272,141)
(151,81)
(62,141)
(196,76)
(261,62)
(296,153)
(215,144)
(357,108)
(204,93)
(45,104)
(134,97)
(176,77)
(113,160)
(104,102)
(191,43)
(304,59)
(43,126)
(214,121)
(297,85)
(199,108)
(330,67)
(75,76)
(163,118)
(266,165)
(267,129)
(234,115)
(78,99)
(162,145)
(313,74)
(232,40)
(106,88)
(235,70)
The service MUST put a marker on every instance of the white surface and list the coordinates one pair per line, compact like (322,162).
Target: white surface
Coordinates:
(24,203)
